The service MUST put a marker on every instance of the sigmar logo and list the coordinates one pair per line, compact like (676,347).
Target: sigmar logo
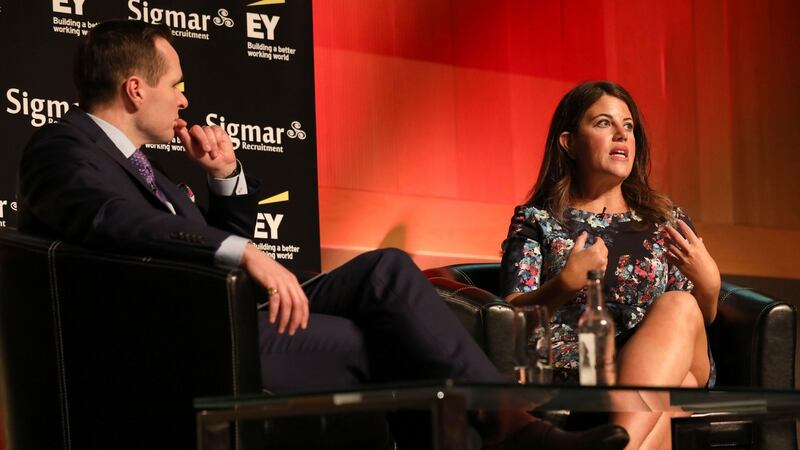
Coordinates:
(192,25)
(4,207)
(257,137)
(40,110)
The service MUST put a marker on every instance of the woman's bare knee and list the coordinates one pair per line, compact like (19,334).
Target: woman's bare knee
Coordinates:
(679,307)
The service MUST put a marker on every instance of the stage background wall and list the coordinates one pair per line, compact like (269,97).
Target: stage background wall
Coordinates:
(247,67)
(432,116)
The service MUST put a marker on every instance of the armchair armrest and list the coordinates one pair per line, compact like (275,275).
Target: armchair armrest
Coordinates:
(486,317)
(753,339)
(483,275)
(98,348)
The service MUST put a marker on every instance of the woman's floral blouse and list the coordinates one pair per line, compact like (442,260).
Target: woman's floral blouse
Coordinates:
(638,272)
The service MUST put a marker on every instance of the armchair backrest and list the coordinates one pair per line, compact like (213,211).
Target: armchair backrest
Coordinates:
(753,338)
(106,351)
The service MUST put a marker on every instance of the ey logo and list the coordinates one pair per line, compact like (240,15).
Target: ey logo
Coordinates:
(267,225)
(68,7)
(258,24)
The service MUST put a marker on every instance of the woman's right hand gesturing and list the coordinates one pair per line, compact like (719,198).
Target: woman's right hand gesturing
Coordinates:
(581,260)
(560,289)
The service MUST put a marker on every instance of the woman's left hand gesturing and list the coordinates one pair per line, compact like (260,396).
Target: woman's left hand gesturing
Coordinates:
(688,252)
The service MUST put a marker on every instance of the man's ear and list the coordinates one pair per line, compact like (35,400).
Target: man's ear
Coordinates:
(565,140)
(132,87)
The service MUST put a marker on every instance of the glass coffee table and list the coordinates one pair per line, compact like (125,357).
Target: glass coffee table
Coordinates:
(448,403)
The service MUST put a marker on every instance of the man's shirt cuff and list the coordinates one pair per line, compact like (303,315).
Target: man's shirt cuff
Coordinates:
(230,251)
(226,187)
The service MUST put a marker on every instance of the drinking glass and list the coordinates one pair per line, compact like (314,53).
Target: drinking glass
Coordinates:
(533,353)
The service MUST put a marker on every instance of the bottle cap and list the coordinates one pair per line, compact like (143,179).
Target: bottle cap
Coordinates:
(595,275)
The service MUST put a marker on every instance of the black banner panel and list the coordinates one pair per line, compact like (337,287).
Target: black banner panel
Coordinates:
(248,67)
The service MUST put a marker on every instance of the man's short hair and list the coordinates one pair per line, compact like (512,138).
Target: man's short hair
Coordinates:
(113,51)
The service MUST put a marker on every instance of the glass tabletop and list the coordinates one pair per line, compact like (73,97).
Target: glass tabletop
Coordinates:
(530,398)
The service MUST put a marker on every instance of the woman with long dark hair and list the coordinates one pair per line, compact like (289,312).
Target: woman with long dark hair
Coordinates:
(592,208)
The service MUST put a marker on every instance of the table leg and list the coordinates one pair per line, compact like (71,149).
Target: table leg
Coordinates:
(449,417)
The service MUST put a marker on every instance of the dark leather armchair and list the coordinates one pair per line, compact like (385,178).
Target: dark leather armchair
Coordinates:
(752,339)
(109,351)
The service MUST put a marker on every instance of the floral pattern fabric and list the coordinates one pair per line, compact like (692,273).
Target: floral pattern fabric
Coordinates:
(638,272)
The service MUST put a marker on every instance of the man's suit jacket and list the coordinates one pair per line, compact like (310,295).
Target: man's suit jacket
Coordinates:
(75,184)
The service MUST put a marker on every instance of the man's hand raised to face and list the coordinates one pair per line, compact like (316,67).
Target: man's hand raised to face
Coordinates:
(209,146)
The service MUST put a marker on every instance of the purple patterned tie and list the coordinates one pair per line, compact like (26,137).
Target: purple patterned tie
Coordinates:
(142,164)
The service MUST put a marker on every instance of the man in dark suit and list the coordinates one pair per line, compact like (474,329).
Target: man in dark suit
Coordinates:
(85,180)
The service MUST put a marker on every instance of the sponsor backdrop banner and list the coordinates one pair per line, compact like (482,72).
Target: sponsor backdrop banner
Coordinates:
(248,67)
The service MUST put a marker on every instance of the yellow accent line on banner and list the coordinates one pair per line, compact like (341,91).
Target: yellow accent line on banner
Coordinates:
(282,197)
(267,2)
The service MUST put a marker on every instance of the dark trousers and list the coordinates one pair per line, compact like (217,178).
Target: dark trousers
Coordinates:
(374,319)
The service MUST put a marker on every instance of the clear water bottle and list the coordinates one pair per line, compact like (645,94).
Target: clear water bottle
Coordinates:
(596,334)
